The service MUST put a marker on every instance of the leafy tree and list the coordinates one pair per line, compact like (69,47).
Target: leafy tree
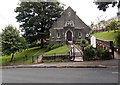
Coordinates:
(36,19)
(104,5)
(107,27)
(113,25)
(11,41)
(23,42)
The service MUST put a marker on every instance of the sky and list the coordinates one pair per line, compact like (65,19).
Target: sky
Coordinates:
(85,9)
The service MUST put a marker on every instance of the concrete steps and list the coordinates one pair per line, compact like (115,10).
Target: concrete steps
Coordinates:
(78,53)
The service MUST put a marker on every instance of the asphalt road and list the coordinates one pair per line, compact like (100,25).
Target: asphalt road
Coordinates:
(60,75)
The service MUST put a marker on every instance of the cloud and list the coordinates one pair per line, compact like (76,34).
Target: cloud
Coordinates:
(85,9)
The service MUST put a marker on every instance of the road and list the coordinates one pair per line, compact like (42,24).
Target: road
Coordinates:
(60,75)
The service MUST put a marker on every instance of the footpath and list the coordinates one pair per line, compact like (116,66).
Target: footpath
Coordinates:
(77,53)
(86,64)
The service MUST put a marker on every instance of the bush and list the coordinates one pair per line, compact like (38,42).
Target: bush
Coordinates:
(83,42)
(63,43)
(89,52)
(102,54)
(55,46)
(49,47)
(52,46)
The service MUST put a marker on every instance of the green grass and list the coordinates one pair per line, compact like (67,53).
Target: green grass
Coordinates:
(61,50)
(106,35)
(19,57)
(56,60)
(58,51)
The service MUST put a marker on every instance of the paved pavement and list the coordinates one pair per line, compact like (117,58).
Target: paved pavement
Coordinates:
(86,64)
(60,75)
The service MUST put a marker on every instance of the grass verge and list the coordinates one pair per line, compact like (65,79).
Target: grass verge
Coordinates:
(106,35)
(58,51)
(20,57)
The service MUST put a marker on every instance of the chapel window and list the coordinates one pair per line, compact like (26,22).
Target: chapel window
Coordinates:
(58,35)
(69,23)
(79,34)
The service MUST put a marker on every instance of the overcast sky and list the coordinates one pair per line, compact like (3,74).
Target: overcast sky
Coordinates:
(85,9)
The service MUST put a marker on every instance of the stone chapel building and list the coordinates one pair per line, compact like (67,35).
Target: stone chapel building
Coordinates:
(69,27)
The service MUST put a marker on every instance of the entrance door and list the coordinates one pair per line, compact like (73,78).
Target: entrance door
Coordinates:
(69,36)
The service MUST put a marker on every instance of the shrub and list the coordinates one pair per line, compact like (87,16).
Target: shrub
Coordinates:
(58,45)
(52,46)
(83,42)
(103,54)
(49,47)
(55,46)
(89,52)
(63,43)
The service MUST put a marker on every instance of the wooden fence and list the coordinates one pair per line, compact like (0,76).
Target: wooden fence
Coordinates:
(106,45)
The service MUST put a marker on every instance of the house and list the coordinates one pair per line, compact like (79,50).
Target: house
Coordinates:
(69,27)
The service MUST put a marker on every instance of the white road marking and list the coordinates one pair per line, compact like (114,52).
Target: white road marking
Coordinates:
(114,72)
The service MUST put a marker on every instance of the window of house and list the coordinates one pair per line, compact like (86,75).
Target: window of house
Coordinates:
(69,23)
(79,34)
(69,14)
(58,35)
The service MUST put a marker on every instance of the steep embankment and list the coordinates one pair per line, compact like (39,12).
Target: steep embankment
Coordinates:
(106,35)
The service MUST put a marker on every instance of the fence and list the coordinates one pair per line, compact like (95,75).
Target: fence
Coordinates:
(36,59)
(55,56)
(22,60)
(106,45)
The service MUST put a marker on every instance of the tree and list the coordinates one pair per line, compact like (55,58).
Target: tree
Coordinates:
(11,41)
(107,27)
(36,19)
(113,25)
(104,5)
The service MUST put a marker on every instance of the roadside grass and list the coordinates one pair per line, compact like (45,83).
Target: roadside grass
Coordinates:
(106,35)
(56,60)
(19,57)
(58,51)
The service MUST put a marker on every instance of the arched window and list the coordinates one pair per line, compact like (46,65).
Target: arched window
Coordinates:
(58,35)
(69,23)
(79,34)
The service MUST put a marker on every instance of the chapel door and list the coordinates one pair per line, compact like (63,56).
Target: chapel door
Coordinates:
(69,36)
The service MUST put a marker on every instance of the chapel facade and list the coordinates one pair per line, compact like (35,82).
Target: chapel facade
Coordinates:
(69,27)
